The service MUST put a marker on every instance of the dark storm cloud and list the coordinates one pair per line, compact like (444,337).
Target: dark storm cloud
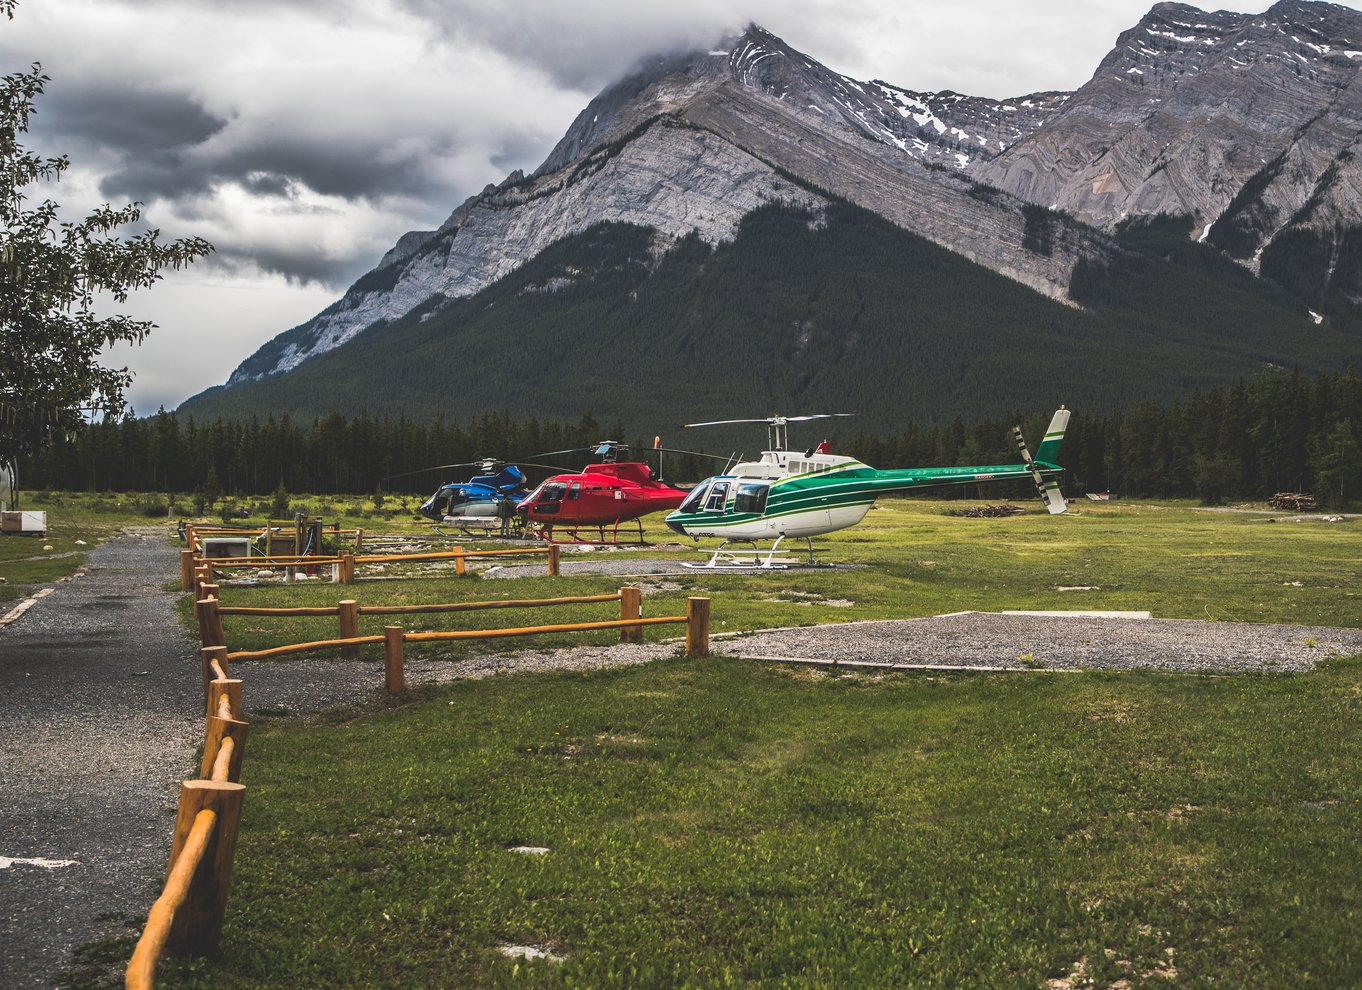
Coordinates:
(272,166)
(566,40)
(123,117)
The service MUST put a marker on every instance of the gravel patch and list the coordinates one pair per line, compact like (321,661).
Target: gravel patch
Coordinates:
(308,686)
(1074,643)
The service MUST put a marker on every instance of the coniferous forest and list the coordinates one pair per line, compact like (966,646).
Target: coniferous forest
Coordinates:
(1279,431)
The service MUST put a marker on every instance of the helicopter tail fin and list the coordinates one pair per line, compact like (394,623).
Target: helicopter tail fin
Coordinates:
(1048,450)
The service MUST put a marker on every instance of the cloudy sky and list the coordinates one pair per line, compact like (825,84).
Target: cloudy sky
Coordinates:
(303,138)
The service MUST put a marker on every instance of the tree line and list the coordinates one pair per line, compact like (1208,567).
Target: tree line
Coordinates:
(1279,431)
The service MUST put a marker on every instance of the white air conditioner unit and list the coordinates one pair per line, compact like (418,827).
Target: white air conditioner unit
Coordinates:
(226,546)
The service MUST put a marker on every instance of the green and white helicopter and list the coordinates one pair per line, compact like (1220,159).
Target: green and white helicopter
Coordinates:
(797,494)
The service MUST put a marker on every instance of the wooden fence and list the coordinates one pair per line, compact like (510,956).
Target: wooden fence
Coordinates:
(196,569)
(210,610)
(187,918)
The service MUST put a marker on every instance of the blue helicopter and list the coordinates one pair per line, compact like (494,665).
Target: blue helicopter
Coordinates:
(480,496)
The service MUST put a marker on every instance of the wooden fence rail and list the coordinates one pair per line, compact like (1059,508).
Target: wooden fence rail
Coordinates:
(210,610)
(394,638)
(193,564)
(187,918)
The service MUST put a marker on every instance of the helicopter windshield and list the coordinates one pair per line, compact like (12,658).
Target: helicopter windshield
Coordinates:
(553,493)
(694,499)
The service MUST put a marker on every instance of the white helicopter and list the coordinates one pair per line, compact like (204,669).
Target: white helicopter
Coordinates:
(797,494)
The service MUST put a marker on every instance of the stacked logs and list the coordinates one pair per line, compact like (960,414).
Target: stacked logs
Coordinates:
(1293,502)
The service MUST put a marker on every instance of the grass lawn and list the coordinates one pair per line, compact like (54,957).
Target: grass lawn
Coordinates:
(1173,560)
(717,822)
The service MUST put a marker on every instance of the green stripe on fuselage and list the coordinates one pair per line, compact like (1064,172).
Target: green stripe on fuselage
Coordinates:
(854,485)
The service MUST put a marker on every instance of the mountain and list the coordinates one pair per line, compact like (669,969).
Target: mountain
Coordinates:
(1232,132)
(829,308)
(695,143)
(1247,123)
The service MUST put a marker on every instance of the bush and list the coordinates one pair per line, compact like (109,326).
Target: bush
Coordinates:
(154,508)
(279,507)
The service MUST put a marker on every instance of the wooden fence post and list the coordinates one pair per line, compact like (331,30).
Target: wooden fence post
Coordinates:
(231,688)
(359,539)
(197,926)
(347,568)
(349,625)
(394,678)
(201,617)
(631,607)
(218,730)
(697,627)
(553,560)
(210,622)
(206,657)
(460,565)
(186,569)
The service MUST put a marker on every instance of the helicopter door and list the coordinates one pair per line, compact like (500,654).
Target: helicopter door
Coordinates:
(718,494)
(574,491)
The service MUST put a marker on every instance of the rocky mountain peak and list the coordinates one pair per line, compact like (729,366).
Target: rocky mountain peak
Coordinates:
(1251,124)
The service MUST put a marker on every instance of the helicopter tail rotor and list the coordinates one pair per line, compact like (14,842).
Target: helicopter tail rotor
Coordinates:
(1047,488)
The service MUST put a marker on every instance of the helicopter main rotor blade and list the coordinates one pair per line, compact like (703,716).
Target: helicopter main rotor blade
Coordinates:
(570,450)
(696,453)
(478,463)
(768,419)
(408,474)
(723,422)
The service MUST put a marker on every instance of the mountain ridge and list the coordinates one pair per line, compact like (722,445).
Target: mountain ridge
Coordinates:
(1244,124)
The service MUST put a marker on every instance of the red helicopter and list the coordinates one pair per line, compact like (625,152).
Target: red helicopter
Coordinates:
(599,497)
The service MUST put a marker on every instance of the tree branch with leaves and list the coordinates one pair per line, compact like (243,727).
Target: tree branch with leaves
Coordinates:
(51,274)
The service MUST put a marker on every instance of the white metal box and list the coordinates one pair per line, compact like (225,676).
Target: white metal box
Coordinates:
(226,546)
(24,522)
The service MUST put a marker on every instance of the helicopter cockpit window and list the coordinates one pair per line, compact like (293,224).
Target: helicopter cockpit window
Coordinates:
(751,498)
(717,494)
(694,499)
(553,493)
(574,490)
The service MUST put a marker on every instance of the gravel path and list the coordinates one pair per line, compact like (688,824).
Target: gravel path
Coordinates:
(98,697)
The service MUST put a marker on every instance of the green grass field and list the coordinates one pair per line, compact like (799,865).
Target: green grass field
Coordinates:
(718,822)
(1175,561)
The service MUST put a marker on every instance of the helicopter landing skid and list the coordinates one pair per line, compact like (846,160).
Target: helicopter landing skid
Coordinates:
(478,527)
(612,539)
(755,559)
